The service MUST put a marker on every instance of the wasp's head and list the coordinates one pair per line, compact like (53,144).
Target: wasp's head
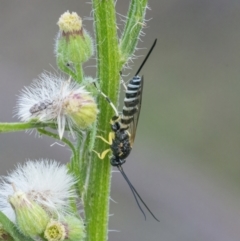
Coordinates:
(115,125)
(116,161)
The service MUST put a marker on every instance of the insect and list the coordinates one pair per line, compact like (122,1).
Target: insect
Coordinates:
(124,127)
(40,106)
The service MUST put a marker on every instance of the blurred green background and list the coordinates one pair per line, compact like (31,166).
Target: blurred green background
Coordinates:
(185,162)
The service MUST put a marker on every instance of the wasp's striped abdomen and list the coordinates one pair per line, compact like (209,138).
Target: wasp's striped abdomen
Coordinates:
(131,100)
(123,126)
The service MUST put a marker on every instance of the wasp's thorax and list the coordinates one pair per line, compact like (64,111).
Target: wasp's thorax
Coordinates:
(121,146)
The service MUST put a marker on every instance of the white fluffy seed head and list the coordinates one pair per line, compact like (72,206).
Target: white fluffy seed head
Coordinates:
(45,182)
(47,98)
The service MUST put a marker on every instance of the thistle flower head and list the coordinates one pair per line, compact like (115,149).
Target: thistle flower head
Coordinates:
(52,98)
(70,228)
(47,183)
(73,44)
(55,231)
(69,22)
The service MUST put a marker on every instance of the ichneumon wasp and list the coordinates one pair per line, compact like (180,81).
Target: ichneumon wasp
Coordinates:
(124,127)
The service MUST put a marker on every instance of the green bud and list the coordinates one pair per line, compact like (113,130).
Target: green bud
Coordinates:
(4,236)
(31,218)
(55,231)
(73,45)
(82,109)
(76,228)
(71,228)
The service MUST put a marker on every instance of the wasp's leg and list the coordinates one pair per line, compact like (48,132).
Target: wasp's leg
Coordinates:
(110,138)
(103,154)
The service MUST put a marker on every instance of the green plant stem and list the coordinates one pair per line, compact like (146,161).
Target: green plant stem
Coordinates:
(78,165)
(79,73)
(56,136)
(96,200)
(10,228)
(22,126)
(61,65)
(132,29)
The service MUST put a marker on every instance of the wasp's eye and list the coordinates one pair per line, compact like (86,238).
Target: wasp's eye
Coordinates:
(115,126)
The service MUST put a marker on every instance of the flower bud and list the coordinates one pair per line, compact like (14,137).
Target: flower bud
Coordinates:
(55,231)
(31,218)
(76,228)
(71,229)
(81,108)
(73,45)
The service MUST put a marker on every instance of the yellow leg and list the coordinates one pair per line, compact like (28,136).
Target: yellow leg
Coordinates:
(110,138)
(103,154)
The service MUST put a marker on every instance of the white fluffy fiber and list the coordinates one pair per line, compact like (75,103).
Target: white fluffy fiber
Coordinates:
(45,182)
(51,90)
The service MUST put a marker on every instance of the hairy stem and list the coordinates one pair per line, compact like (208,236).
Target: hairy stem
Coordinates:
(96,200)
(23,126)
(132,30)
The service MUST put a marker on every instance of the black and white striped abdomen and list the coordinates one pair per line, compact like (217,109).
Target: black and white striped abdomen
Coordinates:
(133,91)
(131,100)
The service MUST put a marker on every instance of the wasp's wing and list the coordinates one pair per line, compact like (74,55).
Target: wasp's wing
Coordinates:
(134,123)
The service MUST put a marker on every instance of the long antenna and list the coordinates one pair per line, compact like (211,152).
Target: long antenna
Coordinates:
(107,99)
(134,191)
(144,61)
